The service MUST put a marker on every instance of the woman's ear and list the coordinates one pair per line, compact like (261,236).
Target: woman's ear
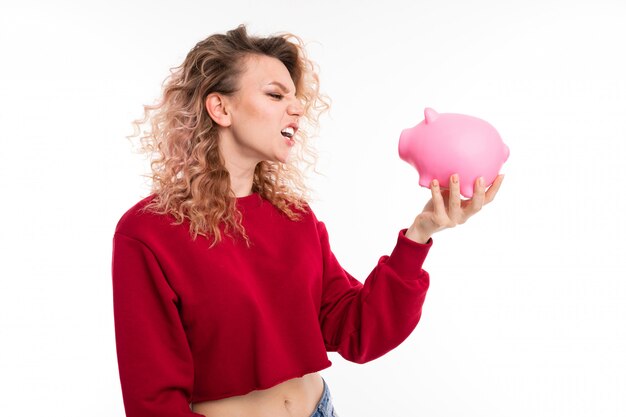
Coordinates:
(215,105)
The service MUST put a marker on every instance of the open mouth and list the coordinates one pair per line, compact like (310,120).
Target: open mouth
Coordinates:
(288,132)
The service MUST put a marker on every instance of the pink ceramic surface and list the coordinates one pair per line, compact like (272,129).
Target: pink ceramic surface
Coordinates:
(447,143)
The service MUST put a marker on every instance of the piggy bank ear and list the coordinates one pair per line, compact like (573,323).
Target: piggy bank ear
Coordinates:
(430,115)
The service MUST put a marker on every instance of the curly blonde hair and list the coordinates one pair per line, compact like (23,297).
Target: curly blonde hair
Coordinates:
(189,178)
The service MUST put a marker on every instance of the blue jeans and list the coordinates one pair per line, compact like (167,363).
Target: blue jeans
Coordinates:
(325,406)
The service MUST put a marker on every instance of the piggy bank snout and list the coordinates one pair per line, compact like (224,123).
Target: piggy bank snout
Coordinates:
(404,144)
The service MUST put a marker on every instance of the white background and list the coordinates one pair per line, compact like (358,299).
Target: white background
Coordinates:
(526,315)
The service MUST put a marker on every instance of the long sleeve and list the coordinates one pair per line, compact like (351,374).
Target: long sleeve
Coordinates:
(154,358)
(364,321)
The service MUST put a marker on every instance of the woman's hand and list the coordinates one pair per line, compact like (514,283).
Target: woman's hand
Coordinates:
(446,209)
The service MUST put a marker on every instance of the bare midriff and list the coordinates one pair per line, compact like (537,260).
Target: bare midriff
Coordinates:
(296,397)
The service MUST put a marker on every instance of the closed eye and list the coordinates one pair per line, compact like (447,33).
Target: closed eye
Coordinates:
(276,96)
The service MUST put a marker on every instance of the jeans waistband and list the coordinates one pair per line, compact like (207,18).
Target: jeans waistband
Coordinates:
(324,407)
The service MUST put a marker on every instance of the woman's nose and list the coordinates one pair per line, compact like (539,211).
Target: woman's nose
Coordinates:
(296,108)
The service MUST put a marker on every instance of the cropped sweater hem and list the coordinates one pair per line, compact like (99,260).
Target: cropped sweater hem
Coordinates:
(269,384)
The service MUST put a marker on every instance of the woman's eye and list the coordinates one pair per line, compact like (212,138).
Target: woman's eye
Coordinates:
(276,96)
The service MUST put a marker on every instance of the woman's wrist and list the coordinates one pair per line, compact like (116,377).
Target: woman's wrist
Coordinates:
(417,235)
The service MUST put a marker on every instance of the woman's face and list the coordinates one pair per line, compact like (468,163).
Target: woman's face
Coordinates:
(260,111)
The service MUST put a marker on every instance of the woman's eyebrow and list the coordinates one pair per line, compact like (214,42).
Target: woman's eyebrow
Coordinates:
(279,85)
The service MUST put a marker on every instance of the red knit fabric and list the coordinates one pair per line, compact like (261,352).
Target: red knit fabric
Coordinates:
(195,323)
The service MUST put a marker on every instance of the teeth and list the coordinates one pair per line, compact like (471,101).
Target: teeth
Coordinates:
(288,132)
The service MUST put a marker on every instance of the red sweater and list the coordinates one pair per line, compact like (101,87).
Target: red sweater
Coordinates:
(195,323)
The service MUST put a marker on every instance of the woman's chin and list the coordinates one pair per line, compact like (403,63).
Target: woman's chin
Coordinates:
(283,157)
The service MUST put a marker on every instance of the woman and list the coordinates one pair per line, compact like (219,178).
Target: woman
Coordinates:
(226,293)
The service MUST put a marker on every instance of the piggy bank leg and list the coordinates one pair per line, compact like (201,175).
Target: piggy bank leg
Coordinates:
(425,181)
(467,190)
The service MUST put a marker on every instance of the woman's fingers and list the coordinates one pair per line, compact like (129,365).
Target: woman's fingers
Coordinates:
(478,199)
(439,206)
(447,209)
(493,190)
(454,203)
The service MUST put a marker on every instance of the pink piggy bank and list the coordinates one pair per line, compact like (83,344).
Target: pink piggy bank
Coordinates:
(445,144)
